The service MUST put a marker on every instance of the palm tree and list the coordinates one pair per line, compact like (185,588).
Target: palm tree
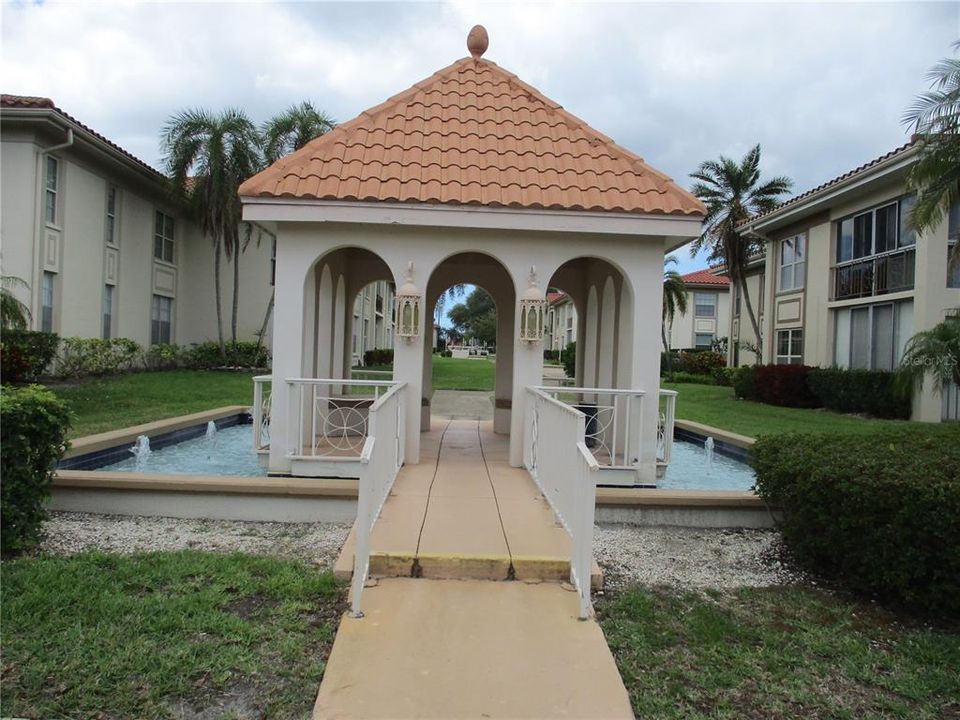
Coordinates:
(451,294)
(733,192)
(294,128)
(14,314)
(935,119)
(208,156)
(674,301)
(935,352)
(282,134)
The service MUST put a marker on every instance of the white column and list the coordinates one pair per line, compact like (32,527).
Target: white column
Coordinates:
(504,370)
(527,370)
(408,368)
(590,339)
(605,348)
(339,327)
(295,295)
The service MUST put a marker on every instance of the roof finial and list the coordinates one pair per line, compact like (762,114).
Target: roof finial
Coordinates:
(477,40)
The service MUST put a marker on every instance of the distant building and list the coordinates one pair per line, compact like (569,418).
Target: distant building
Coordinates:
(92,230)
(707,318)
(561,321)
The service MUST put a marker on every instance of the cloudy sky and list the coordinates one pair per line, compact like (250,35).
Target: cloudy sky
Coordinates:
(821,86)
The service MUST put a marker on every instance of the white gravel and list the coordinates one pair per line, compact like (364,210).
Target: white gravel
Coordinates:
(68,533)
(690,557)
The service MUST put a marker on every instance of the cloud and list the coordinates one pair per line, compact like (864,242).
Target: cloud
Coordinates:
(821,86)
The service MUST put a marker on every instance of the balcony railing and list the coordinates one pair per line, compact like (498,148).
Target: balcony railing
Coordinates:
(876,275)
(262,386)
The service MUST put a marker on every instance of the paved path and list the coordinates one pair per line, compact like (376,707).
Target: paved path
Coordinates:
(462,404)
(466,647)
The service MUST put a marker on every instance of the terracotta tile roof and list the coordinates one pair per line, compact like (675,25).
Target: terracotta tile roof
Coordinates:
(30,102)
(705,277)
(830,183)
(473,134)
(553,297)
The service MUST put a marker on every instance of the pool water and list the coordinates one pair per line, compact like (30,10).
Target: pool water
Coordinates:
(689,470)
(229,452)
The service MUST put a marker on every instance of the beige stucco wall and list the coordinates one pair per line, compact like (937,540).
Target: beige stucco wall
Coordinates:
(18,181)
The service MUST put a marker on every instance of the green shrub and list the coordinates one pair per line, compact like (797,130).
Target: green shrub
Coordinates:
(745,382)
(784,385)
(702,362)
(165,357)
(551,355)
(93,356)
(874,392)
(33,431)
(207,355)
(378,356)
(879,512)
(570,360)
(723,376)
(25,354)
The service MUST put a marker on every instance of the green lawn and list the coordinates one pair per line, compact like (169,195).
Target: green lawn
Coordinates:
(716,406)
(786,652)
(124,400)
(150,635)
(457,373)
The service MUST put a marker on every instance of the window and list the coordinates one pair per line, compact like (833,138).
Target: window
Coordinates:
(705,304)
(879,230)
(110,230)
(790,347)
(736,300)
(793,260)
(161,320)
(46,302)
(163,237)
(53,188)
(872,337)
(107,311)
(703,341)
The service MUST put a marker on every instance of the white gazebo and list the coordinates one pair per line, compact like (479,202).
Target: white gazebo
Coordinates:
(470,176)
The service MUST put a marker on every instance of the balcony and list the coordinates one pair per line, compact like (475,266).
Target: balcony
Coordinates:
(888,272)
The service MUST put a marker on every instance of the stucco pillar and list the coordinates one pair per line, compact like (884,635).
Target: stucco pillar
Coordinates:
(590,339)
(339,370)
(527,370)
(293,340)
(644,273)
(408,368)
(426,373)
(503,404)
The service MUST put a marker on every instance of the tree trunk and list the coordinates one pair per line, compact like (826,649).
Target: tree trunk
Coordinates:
(666,347)
(753,318)
(266,319)
(236,293)
(216,291)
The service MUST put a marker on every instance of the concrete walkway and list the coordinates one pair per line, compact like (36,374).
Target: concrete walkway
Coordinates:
(462,404)
(465,646)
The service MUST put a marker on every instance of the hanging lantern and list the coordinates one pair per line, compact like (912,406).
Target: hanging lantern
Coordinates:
(532,308)
(407,303)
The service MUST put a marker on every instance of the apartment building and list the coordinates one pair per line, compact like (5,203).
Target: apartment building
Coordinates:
(707,318)
(105,253)
(845,281)
(372,319)
(561,322)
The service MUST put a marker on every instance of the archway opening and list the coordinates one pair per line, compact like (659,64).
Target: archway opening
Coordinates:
(468,364)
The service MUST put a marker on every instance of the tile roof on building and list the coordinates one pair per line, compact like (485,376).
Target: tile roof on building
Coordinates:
(31,102)
(705,277)
(553,297)
(799,199)
(473,134)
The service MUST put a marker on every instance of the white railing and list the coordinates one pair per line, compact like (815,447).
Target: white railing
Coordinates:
(380,461)
(563,471)
(262,386)
(330,417)
(665,424)
(557,381)
(613,421)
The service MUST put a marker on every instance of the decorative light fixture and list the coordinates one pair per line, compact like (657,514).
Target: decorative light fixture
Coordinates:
(532,307)
(407,302)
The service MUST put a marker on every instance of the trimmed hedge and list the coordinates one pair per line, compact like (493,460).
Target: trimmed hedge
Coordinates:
(703,362)
(570,359)
(25,354)
(880,512)
(724,376)
(874,392)
(33,431)
(694,378)
(744,382)
(246,354)
(92,356)
(379,356)
(784,385)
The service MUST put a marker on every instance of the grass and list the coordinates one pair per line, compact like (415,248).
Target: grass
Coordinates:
(124,400)
(458,373)
(716,406)
(146,636)
(785,652)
